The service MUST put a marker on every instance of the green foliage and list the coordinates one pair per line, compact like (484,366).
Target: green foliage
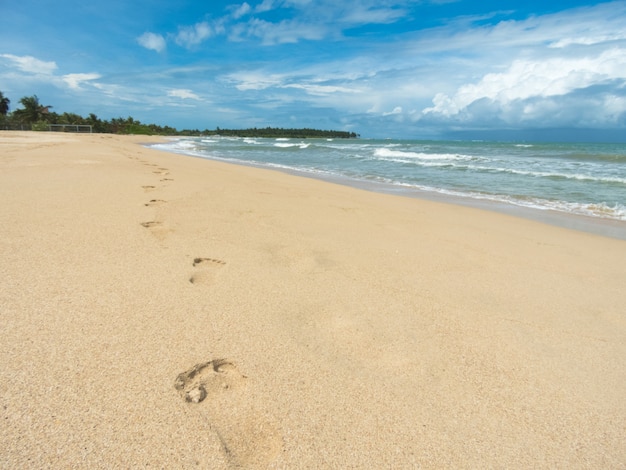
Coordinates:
(40,126)
(37,116)
(274,132)
(4,104)
(32,110)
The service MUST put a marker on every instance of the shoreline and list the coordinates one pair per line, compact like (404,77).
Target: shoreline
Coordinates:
(589,224)
(163,311)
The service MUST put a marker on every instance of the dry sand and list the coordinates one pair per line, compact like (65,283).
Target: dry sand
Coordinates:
(329,327)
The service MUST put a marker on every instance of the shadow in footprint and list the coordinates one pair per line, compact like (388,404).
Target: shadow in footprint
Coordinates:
(249,439)
(152,223)
(155,202)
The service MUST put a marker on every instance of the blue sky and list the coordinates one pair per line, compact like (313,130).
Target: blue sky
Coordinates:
(383,68)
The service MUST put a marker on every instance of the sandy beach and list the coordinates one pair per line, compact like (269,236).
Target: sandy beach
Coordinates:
(167,311)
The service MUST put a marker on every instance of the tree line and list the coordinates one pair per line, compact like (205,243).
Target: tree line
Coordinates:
(274,132)
(35,116)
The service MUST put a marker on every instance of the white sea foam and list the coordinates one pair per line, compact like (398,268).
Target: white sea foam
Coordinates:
(573,180)
(185,144)
(176,145)
(386,153)
(300,145)
(614,211)
(545,174)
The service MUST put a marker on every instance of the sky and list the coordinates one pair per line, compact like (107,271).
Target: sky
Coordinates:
(381,68)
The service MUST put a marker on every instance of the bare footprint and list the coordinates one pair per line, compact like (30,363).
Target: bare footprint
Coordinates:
(155,202)
(197,261)
(208,379)
(205,269)
(149,188)
(249,439)
(152,223)
(158,229)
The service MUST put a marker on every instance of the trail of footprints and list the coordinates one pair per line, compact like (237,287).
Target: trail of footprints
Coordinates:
(205,268)
(247,438)
(156,225)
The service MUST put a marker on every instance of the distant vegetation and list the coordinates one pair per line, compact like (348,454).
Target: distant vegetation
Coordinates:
(279,132)
(35,116)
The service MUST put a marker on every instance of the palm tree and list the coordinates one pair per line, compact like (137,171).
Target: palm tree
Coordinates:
(4,104)
(33,111)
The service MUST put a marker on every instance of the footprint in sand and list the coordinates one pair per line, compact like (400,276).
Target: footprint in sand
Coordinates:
(157,229)
(149,188)
(248,439)
(155,202)
(167,179)
(208,379)
(205,269)
(152,223)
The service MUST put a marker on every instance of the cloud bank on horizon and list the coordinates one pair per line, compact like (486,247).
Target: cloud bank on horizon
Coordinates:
(385,68)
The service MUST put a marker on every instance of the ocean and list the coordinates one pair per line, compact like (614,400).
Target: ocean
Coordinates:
(580,186)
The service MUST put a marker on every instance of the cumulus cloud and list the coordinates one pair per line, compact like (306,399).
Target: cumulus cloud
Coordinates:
(526,79)
(152,41)
(31,64)
(189,36)
(74,80)
(184,94)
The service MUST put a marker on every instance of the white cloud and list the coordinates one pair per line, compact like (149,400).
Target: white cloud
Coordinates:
(242,10)
(525,79)
(285,32)
(184,94)
(31,64)
(74,80)
(396,110)
(245,81)
(266,5)
(320,90)
(309,20)
(152,41)
(358,14)
(588,40)
(192,35)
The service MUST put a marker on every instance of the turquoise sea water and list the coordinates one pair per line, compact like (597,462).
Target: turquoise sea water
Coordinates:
(586,182)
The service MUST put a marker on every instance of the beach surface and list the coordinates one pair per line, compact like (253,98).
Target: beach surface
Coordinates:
(166,311)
